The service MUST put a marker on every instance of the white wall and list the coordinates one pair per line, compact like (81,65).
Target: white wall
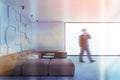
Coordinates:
(59,10)
(48,35)
(69,10)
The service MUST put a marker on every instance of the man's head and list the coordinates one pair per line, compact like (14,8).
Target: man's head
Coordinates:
(84,31)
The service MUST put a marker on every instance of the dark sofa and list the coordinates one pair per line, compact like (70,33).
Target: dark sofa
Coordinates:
(20,64)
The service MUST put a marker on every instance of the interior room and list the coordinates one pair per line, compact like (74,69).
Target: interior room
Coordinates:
(43,40)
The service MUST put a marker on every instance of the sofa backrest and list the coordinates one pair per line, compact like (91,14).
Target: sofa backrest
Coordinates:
(60,55)
(26,52)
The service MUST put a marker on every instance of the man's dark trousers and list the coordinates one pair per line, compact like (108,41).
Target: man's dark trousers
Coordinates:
(82,54)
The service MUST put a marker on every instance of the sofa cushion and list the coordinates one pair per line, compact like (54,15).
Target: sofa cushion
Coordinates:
(7,63)
(35,67)
(33,56)
(61,67)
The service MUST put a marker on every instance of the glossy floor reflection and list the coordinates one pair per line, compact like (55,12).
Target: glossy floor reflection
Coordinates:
(105,68)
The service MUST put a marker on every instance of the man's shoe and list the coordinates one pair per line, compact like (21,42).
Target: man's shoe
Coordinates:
(82,61)
(92,61)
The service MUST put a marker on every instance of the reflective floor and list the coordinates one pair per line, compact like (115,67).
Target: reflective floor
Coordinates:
(105,68)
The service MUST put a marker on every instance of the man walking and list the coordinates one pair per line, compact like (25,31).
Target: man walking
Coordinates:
(83,42)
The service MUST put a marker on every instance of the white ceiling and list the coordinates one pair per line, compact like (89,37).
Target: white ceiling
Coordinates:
(62,10)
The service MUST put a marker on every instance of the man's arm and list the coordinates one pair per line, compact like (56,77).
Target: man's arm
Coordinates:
(88,36)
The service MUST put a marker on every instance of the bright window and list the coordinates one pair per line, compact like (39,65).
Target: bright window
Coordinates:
(105,38)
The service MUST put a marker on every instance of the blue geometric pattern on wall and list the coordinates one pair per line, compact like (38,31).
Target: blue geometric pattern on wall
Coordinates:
(17,35)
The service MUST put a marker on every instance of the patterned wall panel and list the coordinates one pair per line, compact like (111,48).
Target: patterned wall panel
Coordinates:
(15,31)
